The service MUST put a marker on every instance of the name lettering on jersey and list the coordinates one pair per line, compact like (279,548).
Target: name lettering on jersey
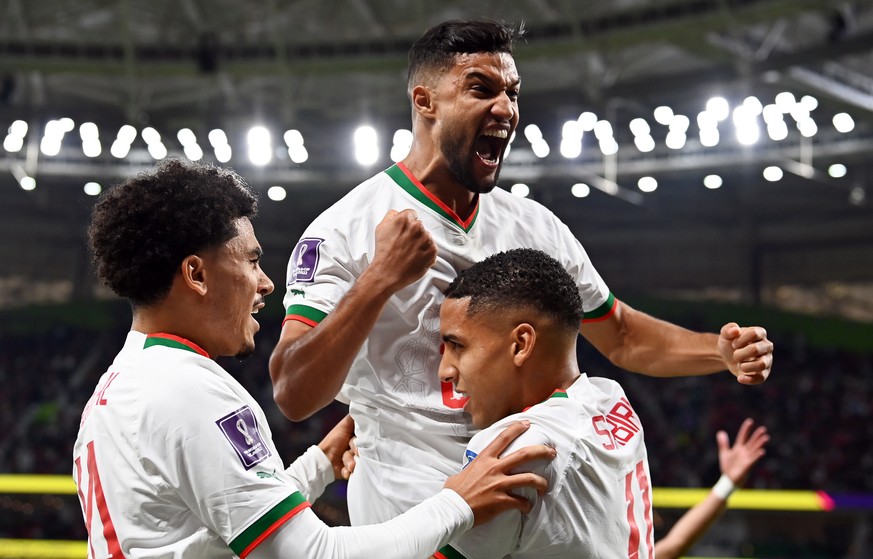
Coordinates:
(618,426)
(240,428)
(98,398)
(305,259)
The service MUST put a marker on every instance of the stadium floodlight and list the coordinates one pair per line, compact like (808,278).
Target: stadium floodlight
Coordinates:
(663,115)
(587,120)
(13,144)
(18,128)
(27,183)
(777,131)
(571,148)
(157,150)
(753,105)
(837,170)
(298,154)
(712,182)
(639,127)
(366,145)
(709,137)
(608,146)
(92,188)
(520,189)
(186,137)
(127,134)
(785,101)
(401,144)
(746,125)
(580,190)
(223,153)
(193,152)
(647,184)
(810,102)
(707,120)
(675,140)
(533,133)
(679,123)
(260,145)
(773,173)
(276,193)
(217,138)
(719,108)
(645,143)
(844,122)
(807,127)
(602,130)
(857,196)
(540,148)
(772,114)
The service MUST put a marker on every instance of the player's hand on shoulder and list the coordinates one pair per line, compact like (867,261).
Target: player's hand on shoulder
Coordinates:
(404,248)
(487,483)
(746,351)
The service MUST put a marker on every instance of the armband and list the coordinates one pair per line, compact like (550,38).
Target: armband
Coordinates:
(723,487)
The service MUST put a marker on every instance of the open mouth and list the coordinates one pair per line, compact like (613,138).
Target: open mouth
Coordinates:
(490,145)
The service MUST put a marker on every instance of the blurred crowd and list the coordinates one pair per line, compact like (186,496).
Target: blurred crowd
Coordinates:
(816,407)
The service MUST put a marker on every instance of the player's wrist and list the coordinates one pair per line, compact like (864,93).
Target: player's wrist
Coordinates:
(724,487)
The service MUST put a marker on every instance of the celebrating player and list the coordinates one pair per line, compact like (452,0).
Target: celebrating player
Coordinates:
(174,458)
(735,463)
(509,326)
(362,320)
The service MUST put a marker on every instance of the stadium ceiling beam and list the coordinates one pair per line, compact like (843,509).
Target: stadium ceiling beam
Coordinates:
(730,72)
(691,19)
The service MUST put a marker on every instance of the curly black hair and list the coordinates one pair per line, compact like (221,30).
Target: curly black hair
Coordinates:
(143,228)
(437,48)
(520,277)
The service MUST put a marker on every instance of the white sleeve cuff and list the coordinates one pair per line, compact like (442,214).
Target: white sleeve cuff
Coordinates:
(311,472)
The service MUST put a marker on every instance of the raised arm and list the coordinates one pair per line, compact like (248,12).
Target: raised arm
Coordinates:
(641,343)
(309,364)
(735,463)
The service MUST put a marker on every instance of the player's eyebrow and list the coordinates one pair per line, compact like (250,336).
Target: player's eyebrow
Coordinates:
(475,75)
(256,251)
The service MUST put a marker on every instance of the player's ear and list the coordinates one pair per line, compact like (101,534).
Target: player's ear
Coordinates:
(524,338)
(193,272)
(422,101)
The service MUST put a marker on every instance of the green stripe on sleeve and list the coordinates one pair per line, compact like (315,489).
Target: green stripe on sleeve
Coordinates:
(601,311)
(277,514)
(314,315)
(449,552)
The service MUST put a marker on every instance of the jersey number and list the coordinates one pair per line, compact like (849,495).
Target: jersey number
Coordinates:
(633,543)
(96,497)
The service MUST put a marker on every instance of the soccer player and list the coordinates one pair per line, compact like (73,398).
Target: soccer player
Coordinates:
(362,320)
(509,326)
(174,458)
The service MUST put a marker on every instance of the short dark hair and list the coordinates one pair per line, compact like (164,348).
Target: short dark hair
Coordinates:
(516,278)
(438,47)
(143,228)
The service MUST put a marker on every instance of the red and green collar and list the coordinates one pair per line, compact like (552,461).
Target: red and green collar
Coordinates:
(405,180)
(558,393)
(169,340)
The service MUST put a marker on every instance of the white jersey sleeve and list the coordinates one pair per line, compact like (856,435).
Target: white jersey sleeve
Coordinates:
(415,533)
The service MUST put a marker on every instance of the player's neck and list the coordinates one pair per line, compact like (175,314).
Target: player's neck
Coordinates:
(433,174)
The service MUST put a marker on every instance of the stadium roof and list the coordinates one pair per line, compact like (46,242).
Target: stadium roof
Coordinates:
(324,67)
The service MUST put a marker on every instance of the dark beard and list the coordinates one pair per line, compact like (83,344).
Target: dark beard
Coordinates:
(461,168)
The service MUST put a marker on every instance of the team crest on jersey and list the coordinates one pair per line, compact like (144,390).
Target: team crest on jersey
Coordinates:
(469,455)
(305,258)
(241,430)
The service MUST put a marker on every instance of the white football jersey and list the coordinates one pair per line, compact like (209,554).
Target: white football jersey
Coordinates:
(393,387)
(174,458)
(598,503)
